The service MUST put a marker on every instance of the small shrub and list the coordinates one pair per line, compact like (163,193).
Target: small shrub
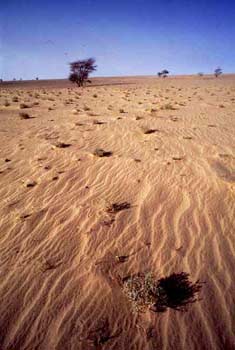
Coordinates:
(174,291)
(24,115)
(62,145)
(168,106)
(116,207)
(99,152)
(24,105)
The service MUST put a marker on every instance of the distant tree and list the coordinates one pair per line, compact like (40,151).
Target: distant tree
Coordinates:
(1,80)
(200,74)
(14,79)
(164,73)
(80,71)
(217,72)
(37,78)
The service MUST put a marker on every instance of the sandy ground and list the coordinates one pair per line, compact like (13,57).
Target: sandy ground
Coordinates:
(60,278)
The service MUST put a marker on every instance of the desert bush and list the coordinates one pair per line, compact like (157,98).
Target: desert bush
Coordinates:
(24,105)
(175,291)
(24,115)
(116,207)
(99,152)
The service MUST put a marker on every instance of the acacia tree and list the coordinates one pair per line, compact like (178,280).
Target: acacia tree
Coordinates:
(218,71)
(80,70)
(164,73)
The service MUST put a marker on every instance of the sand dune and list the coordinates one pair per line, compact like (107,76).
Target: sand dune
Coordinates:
(171,144)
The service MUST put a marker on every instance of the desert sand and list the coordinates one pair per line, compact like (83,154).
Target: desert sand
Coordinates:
(169,154)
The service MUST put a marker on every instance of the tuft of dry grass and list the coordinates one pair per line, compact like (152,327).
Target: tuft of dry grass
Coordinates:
(62,145)
(168,106)
(116,207)
(149,131)
(99,152)
(24,105)
(24,115)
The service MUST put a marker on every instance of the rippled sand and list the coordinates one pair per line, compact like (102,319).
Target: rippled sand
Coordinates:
(172,159)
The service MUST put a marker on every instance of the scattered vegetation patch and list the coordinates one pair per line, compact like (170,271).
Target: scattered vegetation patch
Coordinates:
(62,145)
(175,291)
(98,122)
(116,207)
(24,115)
(168,106)
(24,105)
(149,131)
(99,152)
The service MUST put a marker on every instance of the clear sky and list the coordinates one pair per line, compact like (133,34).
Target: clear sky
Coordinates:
(127,37)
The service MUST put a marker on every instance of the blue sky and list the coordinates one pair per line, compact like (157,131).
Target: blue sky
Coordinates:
(40,38)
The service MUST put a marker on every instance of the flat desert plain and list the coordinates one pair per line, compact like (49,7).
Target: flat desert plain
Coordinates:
(126,177)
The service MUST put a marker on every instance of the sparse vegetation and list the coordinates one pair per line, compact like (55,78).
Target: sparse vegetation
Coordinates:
(116,207)
(149,131)
(168,106)
(24,105)
(24,115)
(99,152)
(62,145)
(174,291)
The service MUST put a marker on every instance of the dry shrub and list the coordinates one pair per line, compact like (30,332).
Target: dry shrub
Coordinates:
(174,291)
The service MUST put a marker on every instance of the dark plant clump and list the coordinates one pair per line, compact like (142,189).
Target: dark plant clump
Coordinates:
(24,115)
(174,291)
(116,207)
(62,145)
(24,105)
(99,152)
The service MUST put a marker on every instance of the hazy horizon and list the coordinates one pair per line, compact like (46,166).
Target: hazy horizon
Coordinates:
(126,38)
